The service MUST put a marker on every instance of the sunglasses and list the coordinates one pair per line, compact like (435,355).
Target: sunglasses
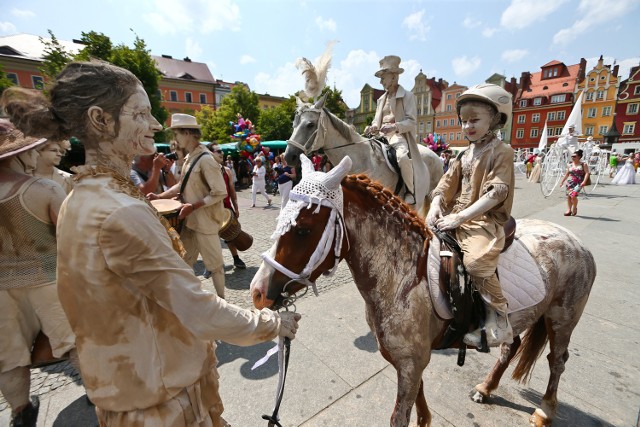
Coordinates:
(217,151)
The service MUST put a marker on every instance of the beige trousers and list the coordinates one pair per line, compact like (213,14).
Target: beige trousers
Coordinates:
(398,142)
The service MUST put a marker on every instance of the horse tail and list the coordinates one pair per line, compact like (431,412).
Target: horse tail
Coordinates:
(533,344)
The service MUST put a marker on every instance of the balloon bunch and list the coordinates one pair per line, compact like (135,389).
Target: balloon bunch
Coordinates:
(248,142)
(435,143)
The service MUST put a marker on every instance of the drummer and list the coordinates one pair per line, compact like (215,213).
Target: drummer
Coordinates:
(202,190)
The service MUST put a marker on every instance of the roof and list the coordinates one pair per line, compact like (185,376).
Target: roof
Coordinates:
(554,62)
(183,69)
(552,86)
(30,46)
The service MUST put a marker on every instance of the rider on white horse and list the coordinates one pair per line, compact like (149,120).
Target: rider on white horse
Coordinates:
(475,197)
(396,119)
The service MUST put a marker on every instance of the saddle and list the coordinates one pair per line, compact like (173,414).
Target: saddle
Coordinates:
(466,304)
(389,154)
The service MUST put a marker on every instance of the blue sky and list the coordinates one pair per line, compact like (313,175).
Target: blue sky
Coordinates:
(258,41)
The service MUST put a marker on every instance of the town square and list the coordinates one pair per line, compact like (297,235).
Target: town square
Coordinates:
(340,231)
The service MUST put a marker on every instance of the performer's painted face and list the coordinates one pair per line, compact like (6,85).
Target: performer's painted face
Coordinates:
(476,120)
(388,81)
(137,125)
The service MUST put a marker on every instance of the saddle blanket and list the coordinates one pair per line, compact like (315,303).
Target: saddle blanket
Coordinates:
(520,278)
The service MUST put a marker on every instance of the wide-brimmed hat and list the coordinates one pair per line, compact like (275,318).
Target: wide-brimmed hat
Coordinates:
(389,64)
(589,138)
(183,121)
(13,142)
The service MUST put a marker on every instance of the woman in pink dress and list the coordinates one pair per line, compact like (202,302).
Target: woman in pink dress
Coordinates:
(577,176)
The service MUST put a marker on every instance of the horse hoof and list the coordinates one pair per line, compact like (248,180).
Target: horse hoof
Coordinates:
(478,397)
(539,419)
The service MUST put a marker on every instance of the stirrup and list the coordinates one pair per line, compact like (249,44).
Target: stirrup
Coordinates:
(477,339)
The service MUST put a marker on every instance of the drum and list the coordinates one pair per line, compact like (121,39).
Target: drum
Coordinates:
(231,232)
(169,209)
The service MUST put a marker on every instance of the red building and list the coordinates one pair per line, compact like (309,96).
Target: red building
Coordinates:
(546,96)
(628,108)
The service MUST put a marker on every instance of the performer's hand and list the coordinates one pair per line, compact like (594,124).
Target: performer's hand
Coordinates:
(449,222)
(435,213)
(160,161)
(186,210)
(289,324)
(371,130)
(152,196)
(388,128)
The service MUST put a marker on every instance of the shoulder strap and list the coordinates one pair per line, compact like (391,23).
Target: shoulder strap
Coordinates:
(183,184)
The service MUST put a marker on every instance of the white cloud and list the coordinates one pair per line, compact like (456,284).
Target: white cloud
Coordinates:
(351,74)
(418,29)
(247,59)
(464,66)
(194,16)
(595,13)
(514,55)
(523,13)
(489,32)
(22,13)
(326,24)
(285,81)
(7,28)
(192,48)
(470,22)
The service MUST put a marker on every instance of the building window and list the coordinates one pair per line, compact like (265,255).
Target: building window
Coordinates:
(428,126)
(523,103)
(600,94)
(421,127)
(38,82)
(437,123)
(458,95)
(606,111)
(452,122)
(449,107)
(549,131)
(588,130)
(458,136)
(632,109)
(629,128)
(561,115)
(537,101)
(603,129)
(557,98)
(534,133)
(637,90)
(203,98)
(558,131)
(14,78)
(521,118)
(520,133)
(448,96)
(551,116)
(535,118)
(173,96)
(187,97)
(591,113)
(450,136)
(589,96)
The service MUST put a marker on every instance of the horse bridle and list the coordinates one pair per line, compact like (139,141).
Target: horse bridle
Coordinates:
(335,230)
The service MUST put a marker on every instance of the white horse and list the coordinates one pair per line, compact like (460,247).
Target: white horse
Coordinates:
(316,128)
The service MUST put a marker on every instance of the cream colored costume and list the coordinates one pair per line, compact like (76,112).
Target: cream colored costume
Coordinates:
(481,238)
(28,295)
(401,110)
(200,232)
(145,328)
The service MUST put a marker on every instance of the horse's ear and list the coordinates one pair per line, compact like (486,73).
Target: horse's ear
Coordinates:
(335,175)
(299,102)
(320,102)
(307,165)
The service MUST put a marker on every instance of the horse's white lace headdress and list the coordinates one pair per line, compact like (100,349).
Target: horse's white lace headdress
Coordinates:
(321,189)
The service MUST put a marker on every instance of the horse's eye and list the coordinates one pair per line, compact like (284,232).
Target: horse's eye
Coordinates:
(311,125)
(303,231)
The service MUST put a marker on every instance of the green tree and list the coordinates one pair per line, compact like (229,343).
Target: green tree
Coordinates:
(241,101)
(334,102)
(4,81)
(277,123)
(98,46)
(55,57)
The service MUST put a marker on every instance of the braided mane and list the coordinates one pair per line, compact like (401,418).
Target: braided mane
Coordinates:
(388,202)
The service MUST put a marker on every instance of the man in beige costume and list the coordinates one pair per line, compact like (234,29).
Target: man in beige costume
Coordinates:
(203,198)
(396,119)
(28,294)
(475,197)
(145,329)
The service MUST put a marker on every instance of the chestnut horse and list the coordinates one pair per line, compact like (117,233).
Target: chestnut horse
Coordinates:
(385,245)
(316,128)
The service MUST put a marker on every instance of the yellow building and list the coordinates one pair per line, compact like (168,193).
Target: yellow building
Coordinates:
(599,101)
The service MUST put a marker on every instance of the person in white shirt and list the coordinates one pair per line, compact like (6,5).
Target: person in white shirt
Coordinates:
(258,175)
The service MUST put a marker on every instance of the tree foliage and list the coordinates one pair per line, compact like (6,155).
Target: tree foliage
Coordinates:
(216,127)
(4,81)
(55,57)
(277,123)
(334,102)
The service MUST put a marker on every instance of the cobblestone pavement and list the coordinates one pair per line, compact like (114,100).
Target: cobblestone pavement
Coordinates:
(260,222)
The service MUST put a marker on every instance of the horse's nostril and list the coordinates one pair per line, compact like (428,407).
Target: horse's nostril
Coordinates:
(258,300)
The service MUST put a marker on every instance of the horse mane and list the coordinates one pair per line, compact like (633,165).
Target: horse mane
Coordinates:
(343,128)
(389,202)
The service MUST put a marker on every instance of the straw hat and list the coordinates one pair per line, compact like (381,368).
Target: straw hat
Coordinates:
(389,64)
(183,121)
(13,142)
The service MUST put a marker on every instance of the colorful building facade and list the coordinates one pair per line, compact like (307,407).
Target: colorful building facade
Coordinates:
(428,94)
(447,125)
(628,109)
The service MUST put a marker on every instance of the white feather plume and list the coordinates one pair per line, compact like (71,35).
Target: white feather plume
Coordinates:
(315,74)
